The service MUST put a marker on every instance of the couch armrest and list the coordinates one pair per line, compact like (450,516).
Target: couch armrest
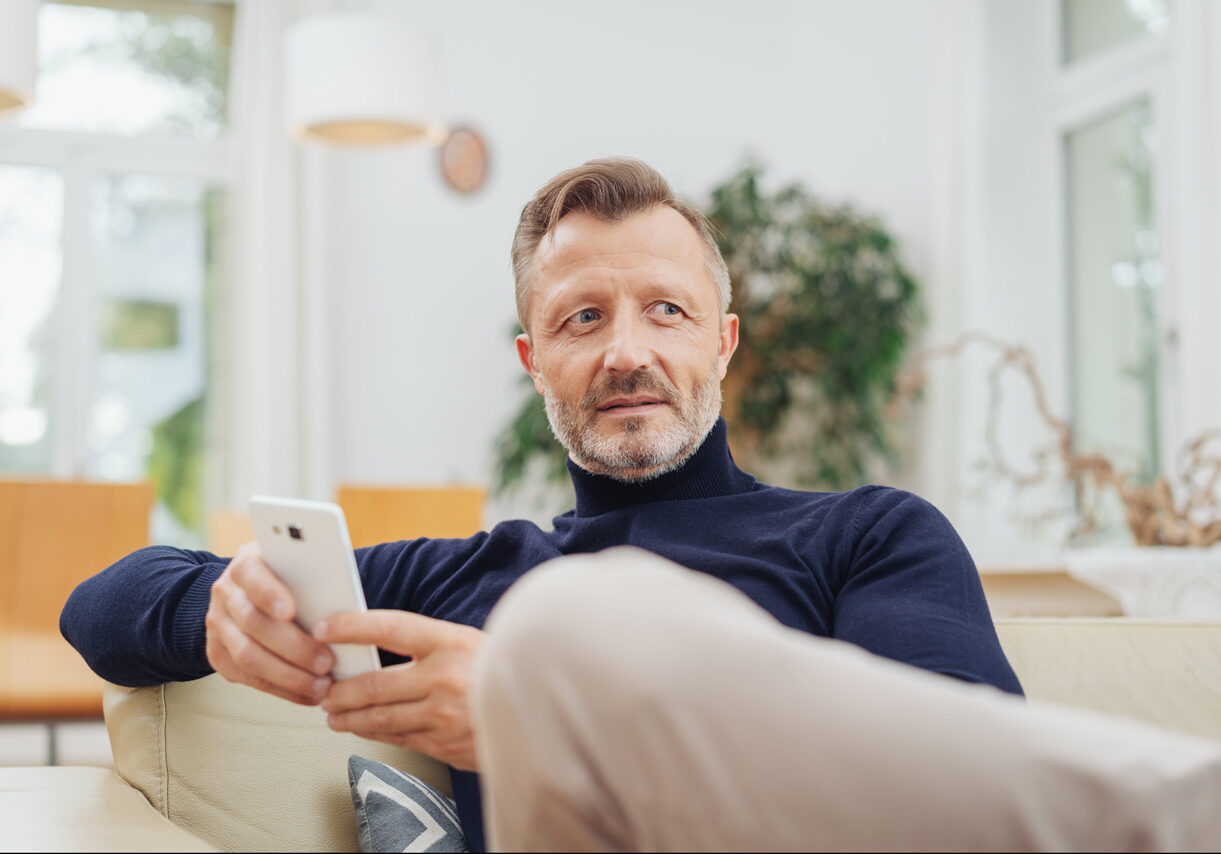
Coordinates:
(242,769)
(1163,672)
(66,808)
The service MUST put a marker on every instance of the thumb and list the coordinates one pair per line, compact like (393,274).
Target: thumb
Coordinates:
(401,632)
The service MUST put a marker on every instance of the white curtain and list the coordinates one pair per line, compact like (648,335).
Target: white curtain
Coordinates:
(271,385)
(954,128)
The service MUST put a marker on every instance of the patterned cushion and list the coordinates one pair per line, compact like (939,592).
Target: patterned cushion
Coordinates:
(398,812)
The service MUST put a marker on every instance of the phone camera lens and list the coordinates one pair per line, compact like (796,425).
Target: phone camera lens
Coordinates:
(294,532)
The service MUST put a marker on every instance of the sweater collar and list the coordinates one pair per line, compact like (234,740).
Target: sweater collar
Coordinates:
(708,473)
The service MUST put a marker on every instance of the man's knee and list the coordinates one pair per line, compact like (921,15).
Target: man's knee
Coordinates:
(623,617)
(569,605)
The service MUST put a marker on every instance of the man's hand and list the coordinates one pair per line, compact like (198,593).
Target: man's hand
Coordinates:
(420,705)
(251,636)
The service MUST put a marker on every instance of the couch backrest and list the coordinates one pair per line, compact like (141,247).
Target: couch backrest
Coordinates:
(1164,672)
(247,771)
(242,769)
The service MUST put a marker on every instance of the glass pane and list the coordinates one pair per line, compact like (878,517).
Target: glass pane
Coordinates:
(155,250)
(1091,26)
(1115,270)
(31,218)
(159,65)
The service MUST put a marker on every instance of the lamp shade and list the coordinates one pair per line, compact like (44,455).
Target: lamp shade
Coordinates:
(359,78)
(18,52)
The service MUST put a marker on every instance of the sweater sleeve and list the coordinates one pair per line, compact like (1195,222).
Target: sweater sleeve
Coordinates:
(141,620)
(912,592)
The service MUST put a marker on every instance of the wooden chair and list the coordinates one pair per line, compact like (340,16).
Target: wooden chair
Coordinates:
(53,535)
(375,514)
(380,514)
(228,530)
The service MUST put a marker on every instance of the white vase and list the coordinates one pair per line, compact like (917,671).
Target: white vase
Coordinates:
(1154,581)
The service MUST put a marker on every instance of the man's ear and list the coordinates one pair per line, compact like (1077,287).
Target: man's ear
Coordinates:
(525,353)
(728,343)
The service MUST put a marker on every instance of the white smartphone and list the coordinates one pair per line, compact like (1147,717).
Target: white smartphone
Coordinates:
(307,546)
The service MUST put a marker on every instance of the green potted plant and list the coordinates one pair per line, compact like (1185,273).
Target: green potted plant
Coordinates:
(827,310)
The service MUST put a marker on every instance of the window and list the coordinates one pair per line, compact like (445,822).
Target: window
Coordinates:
(31,225)
(112,190)
(1114,273)
(1091,209)
(132,68)
(1094,26)
(1111,103)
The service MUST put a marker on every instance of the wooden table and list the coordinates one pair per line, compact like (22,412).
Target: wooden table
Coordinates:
(1042,589)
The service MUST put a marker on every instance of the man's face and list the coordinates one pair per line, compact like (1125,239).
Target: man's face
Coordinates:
(627,344)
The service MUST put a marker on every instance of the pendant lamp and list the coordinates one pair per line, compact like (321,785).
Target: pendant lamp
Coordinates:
(18,53)
(357,78)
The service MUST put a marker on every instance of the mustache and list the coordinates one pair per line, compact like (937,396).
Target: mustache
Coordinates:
(637,382)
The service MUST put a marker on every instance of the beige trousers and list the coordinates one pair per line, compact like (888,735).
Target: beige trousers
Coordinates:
(624,703)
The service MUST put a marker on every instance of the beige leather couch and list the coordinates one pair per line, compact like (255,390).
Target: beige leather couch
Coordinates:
(208,765)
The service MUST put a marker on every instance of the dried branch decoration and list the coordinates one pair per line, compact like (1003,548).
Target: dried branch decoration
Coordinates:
(1157,514)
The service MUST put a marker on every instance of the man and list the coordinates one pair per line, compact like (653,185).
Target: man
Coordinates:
(624,299)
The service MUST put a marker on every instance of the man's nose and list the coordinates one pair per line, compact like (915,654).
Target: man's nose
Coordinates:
(628,348)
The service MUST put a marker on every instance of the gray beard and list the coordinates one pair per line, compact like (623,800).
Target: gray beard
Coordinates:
(636,454)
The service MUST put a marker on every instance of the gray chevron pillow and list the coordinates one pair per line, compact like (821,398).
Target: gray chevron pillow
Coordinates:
(399,812)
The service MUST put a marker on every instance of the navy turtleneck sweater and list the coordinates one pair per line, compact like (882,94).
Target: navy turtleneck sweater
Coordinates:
(874,566)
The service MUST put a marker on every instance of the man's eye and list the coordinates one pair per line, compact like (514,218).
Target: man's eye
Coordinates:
(670,308)
(587,315)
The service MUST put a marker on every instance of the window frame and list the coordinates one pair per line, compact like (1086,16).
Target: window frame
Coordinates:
(1084,91)
(81,158)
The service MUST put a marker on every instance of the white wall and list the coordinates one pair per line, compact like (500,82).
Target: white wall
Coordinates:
(841,95)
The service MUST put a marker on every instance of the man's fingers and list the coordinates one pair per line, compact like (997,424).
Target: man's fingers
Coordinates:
(400,632)
(396,719)
(268,687)
(395,684)
(227,667)
(262,606)
(251,638)
(421,704)
(268,593)
(254,664)
(286,639)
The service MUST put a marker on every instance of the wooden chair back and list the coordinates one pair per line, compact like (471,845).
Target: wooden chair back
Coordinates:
(380,514)
(228,530)
(53,535)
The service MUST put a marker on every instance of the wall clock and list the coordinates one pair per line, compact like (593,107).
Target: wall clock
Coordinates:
(464,159)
